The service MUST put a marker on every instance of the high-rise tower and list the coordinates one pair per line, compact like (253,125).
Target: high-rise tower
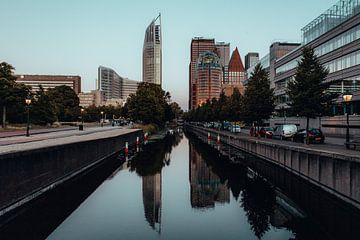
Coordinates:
(152,55)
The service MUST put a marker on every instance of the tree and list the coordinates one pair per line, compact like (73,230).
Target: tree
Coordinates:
(43,110)
(7,83)
(235,106)
(176,109)
(66,103)
(149,104)
(258,97)
(307,92)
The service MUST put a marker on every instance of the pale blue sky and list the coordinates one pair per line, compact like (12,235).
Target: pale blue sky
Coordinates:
(76,36)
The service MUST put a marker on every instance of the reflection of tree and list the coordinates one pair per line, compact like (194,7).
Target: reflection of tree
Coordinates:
(155,156)
(234,175)
(258,201)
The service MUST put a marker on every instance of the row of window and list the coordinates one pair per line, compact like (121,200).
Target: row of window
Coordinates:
(331,45)
(344,62)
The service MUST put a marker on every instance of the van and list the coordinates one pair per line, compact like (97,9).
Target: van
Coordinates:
(235,128)
(285,131)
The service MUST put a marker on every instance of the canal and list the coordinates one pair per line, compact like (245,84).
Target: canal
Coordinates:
(182,188)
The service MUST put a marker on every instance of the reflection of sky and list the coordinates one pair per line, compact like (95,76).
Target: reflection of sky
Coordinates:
(115,210)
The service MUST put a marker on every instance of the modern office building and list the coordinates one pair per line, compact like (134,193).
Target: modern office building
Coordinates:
(198,47)
(222,49)
(152,53)
(50,81)
(114,86)
(276,51)
(335,37)
(109,82)
(208,77)
(95,97)
(250,59)
(236,74)
(128,87)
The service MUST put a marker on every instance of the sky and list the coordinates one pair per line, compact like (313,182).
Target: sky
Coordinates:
(74,37)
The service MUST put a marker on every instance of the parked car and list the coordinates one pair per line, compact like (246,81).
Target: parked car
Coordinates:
(235,128)
(285,131)
(266,132)
(315,135)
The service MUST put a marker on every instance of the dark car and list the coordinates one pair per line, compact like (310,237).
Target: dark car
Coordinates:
(315,136)
(266,132)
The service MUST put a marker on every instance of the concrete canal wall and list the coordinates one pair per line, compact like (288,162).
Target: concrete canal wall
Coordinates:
(29,169)
(335,172)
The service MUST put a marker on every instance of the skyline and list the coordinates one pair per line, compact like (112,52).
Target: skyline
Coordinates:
(76,38)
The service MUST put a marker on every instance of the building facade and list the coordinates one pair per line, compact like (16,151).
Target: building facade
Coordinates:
(222,49)
(236,74)
(198,47)
(114,86)
(95,97)
(152,53)
(208,77)
(50,81)
(250,59)
(335,37)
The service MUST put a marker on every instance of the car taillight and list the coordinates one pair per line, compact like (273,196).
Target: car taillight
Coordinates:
(311,135)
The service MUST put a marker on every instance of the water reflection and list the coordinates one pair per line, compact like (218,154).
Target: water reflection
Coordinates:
(206,187)
(256,196)
(148,164)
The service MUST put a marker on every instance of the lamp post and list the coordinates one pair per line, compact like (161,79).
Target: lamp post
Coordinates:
(81,126)
(347,99)
(28,102)
(102,119)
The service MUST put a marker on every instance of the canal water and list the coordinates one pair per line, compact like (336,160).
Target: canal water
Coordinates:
(182,188)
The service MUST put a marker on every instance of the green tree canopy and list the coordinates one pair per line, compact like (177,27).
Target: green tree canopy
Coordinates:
(66,103)
(149,104)
(258,97)
(307,92)
(12,94)
(42,109)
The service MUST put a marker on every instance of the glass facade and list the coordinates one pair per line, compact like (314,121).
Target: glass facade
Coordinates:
(343,62)
(334,16)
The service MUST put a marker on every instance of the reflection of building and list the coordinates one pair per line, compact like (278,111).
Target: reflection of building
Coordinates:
(206,188)
(236,74)
(208,77)
(50,81)
(152,200)
(152,53)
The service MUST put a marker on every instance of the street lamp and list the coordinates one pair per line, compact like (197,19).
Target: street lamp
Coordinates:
(347,99)
(102,118)
(28,102)
(81,126)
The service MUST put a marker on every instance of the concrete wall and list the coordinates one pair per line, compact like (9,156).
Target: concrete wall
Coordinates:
(337,174)
(24,175)
(331,126)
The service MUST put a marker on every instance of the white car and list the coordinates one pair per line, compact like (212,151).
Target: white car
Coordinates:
(235,129)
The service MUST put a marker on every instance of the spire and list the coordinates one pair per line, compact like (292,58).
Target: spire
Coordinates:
(235,64)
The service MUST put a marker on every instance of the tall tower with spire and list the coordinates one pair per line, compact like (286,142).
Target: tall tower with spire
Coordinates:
(152,53)
(236,74)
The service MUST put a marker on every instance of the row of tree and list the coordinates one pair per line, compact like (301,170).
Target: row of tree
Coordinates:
(150,104)
(255,105)
(307,93)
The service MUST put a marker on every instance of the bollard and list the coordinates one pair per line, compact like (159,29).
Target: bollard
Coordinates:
(137,149)
(209,137)
(218,138)
(126,150)
(145,136)
(137,140)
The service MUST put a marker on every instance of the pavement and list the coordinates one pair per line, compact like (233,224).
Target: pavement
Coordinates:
(53,138)
(332,145)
